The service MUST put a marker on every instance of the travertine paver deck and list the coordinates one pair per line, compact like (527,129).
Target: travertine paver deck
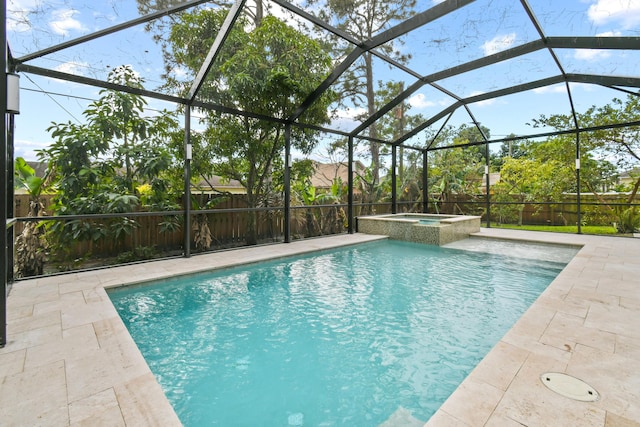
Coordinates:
(70,360)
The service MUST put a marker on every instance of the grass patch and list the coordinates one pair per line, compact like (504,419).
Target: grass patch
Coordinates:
(585,229)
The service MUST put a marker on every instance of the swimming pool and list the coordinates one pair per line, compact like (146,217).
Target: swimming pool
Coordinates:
(353,336)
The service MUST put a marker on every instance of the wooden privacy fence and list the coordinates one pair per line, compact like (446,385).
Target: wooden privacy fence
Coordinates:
(228,227)
(601,209)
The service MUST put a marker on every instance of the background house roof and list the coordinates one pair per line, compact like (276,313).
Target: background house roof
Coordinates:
(325,173)
(216,184)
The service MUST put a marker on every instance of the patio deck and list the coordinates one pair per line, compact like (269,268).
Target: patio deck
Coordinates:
(69,359)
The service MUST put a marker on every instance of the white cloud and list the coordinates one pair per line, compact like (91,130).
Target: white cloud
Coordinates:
(622,12)
(351,113)
(180,73)
(585,87)
(64,22)
(418,101)
(23,4)
(282,13)
(18,14)
(27,149)
(484,103)
(348,118)
(72,67)
(596,54)
(609,34)
(559,88)
(498,43)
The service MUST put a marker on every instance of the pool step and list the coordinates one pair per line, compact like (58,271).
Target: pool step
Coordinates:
(402,418)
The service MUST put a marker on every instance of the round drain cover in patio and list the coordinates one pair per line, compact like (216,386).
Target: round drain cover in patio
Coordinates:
(569,386)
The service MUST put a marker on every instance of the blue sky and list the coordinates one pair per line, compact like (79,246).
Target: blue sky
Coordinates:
(479,29)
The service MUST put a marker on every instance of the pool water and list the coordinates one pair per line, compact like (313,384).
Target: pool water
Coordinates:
(349,337)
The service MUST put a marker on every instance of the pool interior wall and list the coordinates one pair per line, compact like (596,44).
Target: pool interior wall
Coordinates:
(69,359)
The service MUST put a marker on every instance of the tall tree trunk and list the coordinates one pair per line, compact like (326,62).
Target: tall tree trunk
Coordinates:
(634,192)
(520,214)
(30,244)
(311,223)
(374,147)
(251,236)
(259,12)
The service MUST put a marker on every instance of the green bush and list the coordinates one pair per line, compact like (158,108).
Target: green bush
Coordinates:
(138,254)
(628,221)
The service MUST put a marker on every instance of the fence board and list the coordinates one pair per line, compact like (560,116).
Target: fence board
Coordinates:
(230,228)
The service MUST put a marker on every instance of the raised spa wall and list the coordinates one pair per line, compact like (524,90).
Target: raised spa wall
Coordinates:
(420,228)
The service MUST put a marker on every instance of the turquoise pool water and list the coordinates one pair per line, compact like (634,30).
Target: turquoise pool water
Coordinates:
(348,337)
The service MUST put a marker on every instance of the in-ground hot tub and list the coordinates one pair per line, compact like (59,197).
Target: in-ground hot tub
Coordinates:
(420,228)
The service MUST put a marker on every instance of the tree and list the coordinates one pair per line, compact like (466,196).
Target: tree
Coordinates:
(149,6)
(454,171)
(30,244)
(457,170)
(363,19)
(466,134)
(308,195)
(268,70)
(513,149)
(118,119)
(526,180)
(98,166)
(621,143)
(470,133)
(392,126)
(389,127)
